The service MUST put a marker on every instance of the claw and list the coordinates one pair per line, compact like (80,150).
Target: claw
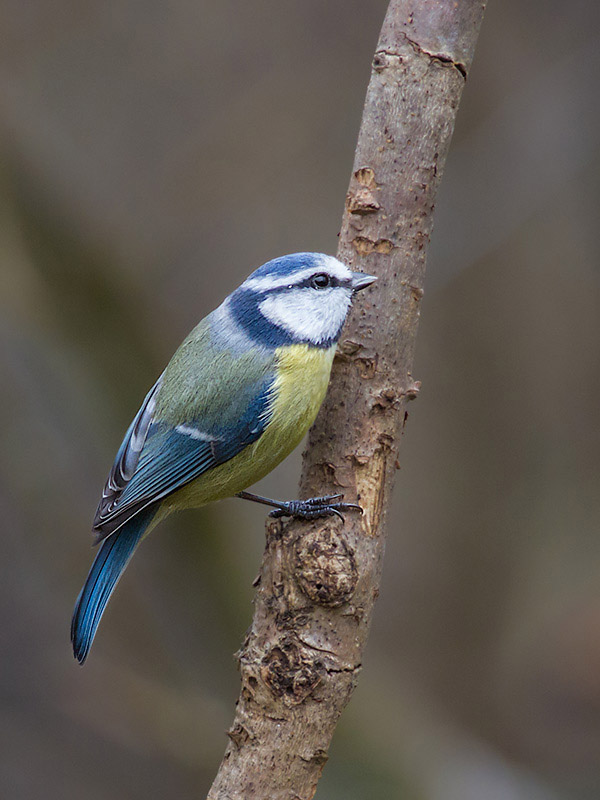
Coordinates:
(348,506)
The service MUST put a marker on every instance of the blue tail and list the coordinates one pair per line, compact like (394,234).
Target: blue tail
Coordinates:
(113,556)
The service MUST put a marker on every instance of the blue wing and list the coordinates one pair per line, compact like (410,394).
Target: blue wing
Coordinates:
(156,458)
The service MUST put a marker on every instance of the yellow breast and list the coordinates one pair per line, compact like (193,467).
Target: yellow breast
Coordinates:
(299,389)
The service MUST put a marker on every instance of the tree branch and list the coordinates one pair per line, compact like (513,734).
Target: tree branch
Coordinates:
(319,581)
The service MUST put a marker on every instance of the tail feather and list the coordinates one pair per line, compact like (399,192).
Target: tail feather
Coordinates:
(109,564)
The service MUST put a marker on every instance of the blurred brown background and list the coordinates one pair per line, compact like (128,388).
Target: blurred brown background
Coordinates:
(151,155)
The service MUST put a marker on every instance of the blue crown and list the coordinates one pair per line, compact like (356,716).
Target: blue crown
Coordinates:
(288,265)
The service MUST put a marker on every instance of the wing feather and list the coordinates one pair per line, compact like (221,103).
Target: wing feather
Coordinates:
(127,456)
(157,458)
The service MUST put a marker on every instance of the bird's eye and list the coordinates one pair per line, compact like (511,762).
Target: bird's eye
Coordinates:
(320,281)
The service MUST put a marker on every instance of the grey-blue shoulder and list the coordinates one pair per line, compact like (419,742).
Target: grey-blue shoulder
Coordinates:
(227,334)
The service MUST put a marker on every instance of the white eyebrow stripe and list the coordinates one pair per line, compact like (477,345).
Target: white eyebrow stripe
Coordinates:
(327,263)
(194,433)
(266,282)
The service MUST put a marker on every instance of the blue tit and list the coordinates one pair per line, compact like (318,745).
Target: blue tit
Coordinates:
(236,398)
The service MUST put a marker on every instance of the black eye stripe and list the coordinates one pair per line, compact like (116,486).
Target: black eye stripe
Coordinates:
(320,280)
(307,283)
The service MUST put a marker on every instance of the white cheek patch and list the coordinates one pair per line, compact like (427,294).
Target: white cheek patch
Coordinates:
(309,314)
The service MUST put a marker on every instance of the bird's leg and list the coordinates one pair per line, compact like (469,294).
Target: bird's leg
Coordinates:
(312,508)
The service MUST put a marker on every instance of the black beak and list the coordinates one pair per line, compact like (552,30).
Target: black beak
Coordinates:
(360,280)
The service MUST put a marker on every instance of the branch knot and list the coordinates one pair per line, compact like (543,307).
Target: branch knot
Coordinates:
(325,567)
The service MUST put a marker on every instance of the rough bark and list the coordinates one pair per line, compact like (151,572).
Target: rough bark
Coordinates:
(319,581)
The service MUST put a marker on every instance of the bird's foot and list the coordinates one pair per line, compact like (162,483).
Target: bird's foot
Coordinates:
(314,507)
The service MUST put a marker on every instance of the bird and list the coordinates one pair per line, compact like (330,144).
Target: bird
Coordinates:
(236,398)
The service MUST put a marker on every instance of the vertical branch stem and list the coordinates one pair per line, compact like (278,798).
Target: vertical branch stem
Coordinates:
(319,581)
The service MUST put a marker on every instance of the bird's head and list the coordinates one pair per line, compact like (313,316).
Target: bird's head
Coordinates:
(303,297)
